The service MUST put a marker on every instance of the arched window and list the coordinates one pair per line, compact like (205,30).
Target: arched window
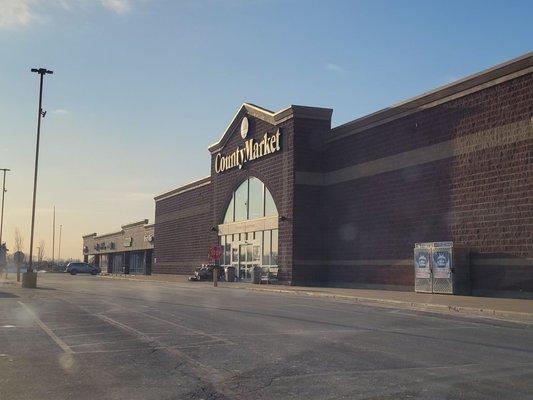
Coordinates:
(250,200)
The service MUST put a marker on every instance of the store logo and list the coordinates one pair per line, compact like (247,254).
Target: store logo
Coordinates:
(244,127)
(422,260)
(252,150)
(441,259)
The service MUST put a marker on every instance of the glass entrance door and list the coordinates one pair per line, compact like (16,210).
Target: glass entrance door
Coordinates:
(249,257)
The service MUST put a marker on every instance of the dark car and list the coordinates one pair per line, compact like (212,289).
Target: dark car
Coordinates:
(74,268)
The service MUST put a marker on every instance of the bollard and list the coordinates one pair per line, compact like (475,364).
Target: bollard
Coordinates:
(215,277)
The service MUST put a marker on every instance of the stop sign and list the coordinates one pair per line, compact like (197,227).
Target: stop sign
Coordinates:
(215,252)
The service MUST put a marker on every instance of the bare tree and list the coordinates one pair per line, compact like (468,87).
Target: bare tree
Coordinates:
(40,252)
(19,240)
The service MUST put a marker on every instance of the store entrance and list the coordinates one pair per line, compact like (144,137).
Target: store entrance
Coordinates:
(245,251)
(249,256)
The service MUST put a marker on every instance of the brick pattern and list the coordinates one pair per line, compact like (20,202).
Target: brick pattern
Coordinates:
(181,244)
(495,106)
(308,200)
(482,199)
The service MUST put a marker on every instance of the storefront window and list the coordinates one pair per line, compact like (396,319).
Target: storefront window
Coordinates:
(274,252)
(241,202)
(229,217)
(227,250)
(266,248)
(235,255)
(250,200)
(255,198)
(103,262)
(270,207)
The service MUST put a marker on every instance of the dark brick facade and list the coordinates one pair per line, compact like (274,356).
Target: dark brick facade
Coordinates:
(483,199)
(276,172)
(455,164)
(183,225)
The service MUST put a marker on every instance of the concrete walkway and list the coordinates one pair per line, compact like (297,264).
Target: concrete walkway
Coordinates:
(517,310)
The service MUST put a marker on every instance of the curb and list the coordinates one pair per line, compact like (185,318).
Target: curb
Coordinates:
(511,316)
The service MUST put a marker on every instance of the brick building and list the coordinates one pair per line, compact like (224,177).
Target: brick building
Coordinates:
(345,205)
(129,250)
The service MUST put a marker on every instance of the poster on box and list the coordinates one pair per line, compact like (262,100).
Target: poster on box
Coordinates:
(422,263)
(442,263)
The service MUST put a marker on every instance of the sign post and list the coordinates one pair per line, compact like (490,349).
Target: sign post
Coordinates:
(214,254)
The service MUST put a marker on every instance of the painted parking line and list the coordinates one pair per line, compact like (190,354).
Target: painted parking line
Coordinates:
(195,364)
(65,347)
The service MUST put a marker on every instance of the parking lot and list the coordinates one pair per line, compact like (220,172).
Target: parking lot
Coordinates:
(85,337)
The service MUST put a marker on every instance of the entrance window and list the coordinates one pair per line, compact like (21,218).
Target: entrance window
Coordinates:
(270,207)
(266,248)
(250,200)
(241,202)
(274,248)
(255,198)
(246,250)
(259,247)
(230,212)
(270,247)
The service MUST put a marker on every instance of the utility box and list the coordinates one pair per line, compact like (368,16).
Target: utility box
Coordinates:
(442,267)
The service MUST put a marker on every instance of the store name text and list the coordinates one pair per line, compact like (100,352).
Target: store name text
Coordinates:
(252,150)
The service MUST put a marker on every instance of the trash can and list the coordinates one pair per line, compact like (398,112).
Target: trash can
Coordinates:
(256,275)
(230,274)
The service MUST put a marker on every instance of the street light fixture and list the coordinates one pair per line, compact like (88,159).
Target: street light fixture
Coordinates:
(31,277)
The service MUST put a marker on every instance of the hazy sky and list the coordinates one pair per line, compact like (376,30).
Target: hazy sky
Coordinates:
(142,87)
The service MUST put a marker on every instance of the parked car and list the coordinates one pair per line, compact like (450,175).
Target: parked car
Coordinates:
(74,268)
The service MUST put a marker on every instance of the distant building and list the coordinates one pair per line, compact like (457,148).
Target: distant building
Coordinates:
(129,250)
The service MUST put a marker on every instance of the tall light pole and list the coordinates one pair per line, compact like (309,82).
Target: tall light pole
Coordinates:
(40,113)
(59,252)
(54,235)
(3,194)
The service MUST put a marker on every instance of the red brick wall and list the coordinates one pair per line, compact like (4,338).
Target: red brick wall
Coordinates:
(182,243)
(482,199)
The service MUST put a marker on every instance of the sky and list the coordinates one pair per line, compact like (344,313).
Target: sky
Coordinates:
(141,88)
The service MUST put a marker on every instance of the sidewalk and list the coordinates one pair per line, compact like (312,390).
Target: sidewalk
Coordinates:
(517,310)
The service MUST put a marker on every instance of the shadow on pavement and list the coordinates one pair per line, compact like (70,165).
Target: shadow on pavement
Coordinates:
(5,295)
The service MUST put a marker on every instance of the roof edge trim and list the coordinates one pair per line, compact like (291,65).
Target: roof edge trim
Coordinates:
(271,117)
(184,188)
(509,68)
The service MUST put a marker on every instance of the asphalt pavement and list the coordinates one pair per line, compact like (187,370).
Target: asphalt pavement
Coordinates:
(85,337)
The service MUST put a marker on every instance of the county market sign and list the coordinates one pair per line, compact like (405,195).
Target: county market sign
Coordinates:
(252,150)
